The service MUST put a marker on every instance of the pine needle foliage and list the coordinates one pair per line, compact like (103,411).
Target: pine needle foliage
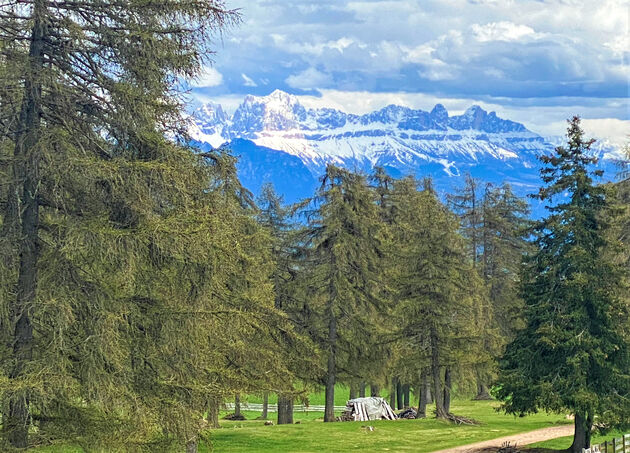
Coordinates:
(134,277)
(343,254)
(573,354)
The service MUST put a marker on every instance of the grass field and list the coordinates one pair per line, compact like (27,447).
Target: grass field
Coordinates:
(565,442)
(311,435)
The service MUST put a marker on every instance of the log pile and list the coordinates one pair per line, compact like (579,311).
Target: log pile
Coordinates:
(357,410)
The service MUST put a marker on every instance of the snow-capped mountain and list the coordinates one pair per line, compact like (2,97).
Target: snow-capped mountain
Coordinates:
(400,139)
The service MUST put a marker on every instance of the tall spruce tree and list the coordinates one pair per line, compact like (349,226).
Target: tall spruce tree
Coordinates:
(344,274)
(573,354)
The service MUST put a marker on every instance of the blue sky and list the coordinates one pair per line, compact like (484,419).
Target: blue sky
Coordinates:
(535,61)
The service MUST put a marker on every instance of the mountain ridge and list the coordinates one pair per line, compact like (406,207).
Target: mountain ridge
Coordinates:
(401,139)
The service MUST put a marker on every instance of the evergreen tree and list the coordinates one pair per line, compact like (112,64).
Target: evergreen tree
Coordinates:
(134,279)
(343,254)
(573,354)
(301,356)
(436,290)
(467,204)
(503,230)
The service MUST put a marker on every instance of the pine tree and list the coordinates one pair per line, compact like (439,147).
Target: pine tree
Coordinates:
(344,252)
(573,354)
(436,289)
(467,204)
(301,356)
(503,231)
(134,280)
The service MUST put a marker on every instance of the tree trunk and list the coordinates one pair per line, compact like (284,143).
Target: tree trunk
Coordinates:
(422,403)
(582,434)
(399,395)
(265,408)
(392,393)
(237,405)
(483,393)
(447,389)
(213,413)
(26,172)
(375,390)
(482,388)
(429,395)
(285,410)
(353,391)
(362,390)
(329,412)
(437,380)
(406,399)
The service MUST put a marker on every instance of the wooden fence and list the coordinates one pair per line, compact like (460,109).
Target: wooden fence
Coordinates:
(257,407)
(617,445)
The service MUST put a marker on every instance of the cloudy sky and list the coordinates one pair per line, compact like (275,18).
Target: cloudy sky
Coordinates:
(534,61)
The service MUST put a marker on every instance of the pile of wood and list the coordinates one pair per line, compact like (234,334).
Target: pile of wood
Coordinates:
(409,413)
(356,410)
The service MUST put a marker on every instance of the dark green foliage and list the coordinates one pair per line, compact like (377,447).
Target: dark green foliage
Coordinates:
(573,353)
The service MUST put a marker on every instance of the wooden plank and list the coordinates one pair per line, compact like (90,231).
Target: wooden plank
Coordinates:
(390,412)
(366,417)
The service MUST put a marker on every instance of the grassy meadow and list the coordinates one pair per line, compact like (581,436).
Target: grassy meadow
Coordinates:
(311,435)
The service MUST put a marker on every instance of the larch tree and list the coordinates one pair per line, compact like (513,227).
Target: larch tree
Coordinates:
(130,278)
(301,357)
(436,288)
(343,247)
(503,234)
(573,353)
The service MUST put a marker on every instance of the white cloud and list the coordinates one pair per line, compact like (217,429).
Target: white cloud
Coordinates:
(316,48)
(209,77)
(248,81)
(616,131)
(501,31)
(308,79)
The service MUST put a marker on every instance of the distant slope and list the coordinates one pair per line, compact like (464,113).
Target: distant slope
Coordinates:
(281,141)
(258,165)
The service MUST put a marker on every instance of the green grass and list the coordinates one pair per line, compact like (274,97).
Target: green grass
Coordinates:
(562,443)
(312,435)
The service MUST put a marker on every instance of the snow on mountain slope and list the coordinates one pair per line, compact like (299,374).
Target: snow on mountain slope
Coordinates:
(395,136)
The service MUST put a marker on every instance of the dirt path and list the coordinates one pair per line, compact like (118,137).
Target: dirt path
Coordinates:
(519,439)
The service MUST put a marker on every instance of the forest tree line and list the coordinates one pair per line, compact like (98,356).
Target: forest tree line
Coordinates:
(141,286)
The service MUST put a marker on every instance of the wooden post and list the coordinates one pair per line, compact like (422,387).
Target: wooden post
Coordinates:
(614,445)
(623,441)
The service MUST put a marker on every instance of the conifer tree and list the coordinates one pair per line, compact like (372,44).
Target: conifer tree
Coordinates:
(503,230)
(467,204)
(301,357)
(344,252)
(436,289)
(573,354)
(132,272)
